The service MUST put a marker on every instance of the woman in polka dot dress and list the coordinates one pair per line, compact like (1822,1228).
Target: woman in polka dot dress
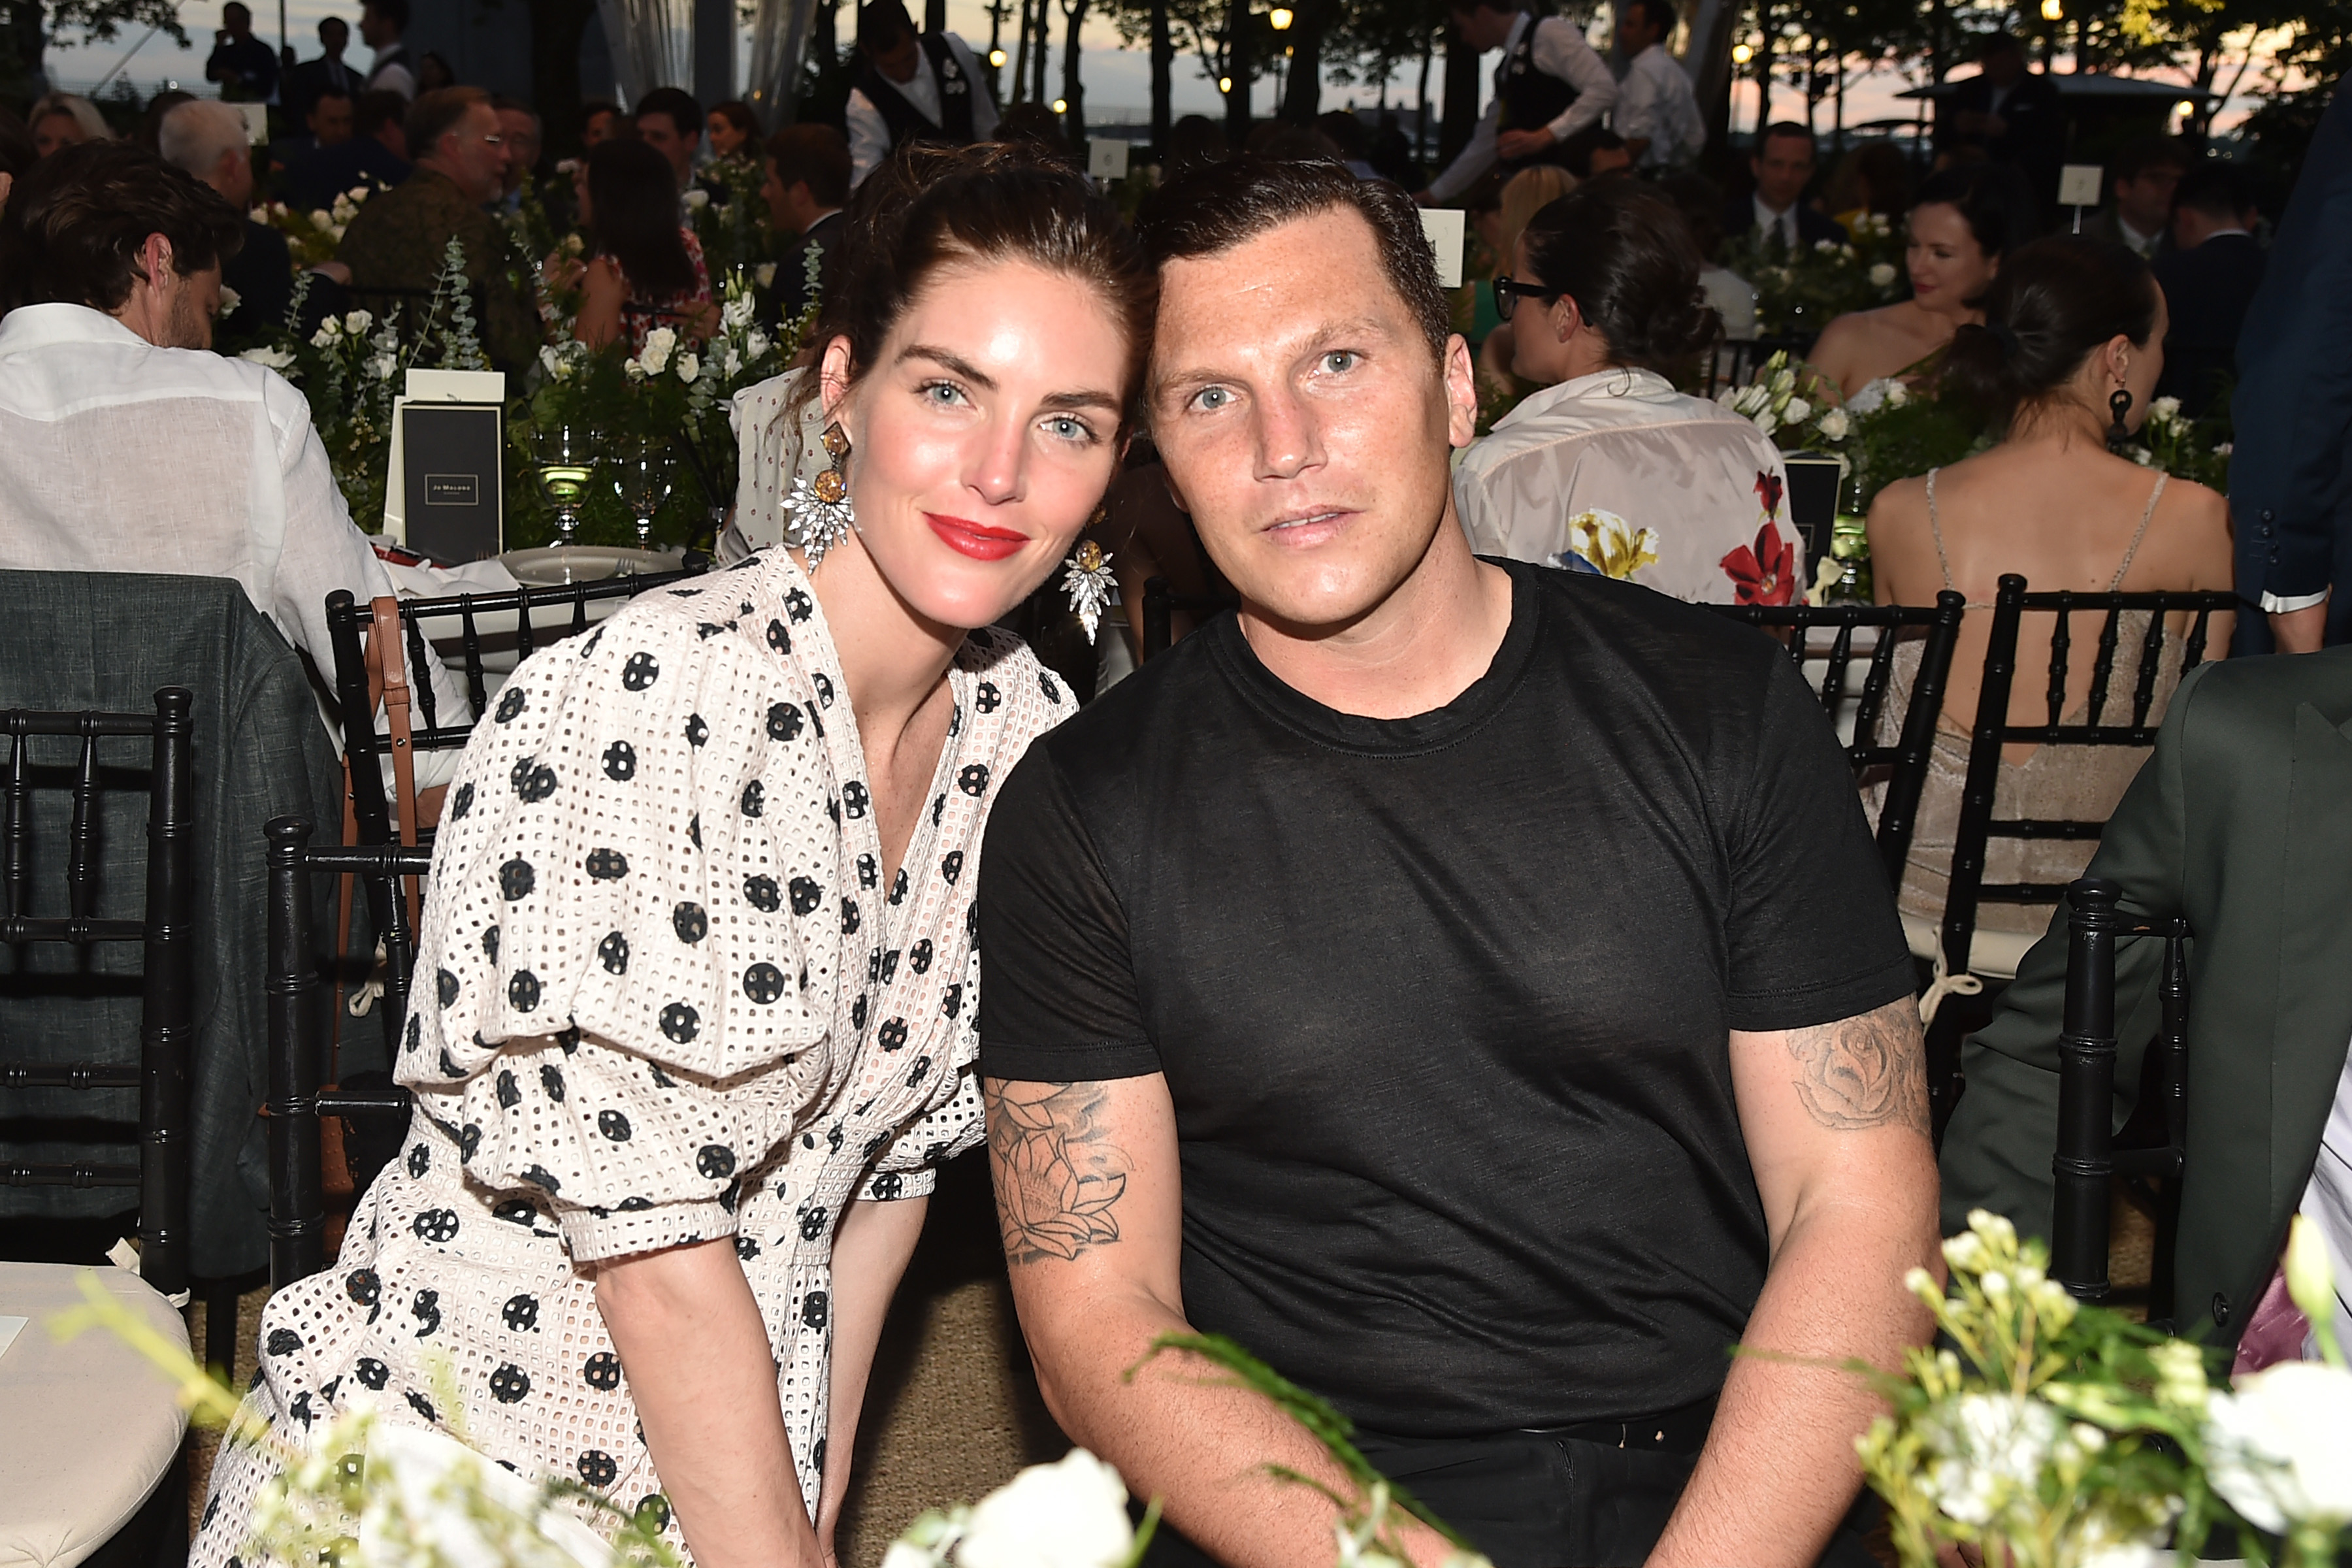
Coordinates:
(694,1013)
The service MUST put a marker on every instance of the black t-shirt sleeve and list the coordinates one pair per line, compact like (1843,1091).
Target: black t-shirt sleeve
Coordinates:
(1812,930)
(1057,993)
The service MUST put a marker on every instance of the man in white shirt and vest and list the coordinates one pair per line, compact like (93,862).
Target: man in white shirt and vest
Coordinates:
(912,87)
(1657,112)
(1549,89)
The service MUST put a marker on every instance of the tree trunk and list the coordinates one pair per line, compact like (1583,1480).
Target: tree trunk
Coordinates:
(1038,59)
(935,16)
(1074,91)
(1021,57)
(1302,94)
(1164,67)
(1461,97)
(1237,68)
(21,48)
(1421,99)
(556,29)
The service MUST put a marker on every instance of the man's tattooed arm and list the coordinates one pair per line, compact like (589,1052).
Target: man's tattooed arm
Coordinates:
(1058,1176)
(1865,1071)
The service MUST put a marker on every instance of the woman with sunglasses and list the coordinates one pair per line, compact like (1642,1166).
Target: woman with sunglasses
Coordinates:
(1609,468)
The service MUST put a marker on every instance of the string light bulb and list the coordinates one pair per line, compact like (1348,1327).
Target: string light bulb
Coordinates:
(1060,106)
(2054,10)
(1741,54)
(1281,17)
(1224,84)
(996,58)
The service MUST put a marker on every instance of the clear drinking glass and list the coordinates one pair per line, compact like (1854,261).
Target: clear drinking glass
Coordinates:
(642,479)
(563,462)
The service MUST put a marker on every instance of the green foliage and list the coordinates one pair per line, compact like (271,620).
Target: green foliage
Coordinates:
(1800,291)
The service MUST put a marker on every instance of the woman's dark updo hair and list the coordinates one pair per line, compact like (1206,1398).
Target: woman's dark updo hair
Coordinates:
(1998,211)
(2056,302)
(931,207)
(1627,258)
(633,200)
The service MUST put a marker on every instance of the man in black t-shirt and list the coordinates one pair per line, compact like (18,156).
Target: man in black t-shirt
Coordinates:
(1470,986)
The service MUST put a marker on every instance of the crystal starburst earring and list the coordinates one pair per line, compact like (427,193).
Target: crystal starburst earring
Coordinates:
(820,507)
(1090,585)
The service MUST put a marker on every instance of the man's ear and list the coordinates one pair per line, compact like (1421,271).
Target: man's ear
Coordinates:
(154,259)
(1461,392)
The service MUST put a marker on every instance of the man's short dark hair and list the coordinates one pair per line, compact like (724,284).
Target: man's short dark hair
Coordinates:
(239,8)
(435,114)
(506,105)
(881,24)
(333,25)
(2141,153)
(372,110)
(1785,128)
(814,155)
(1658,13)
(78,221)
(1214,207)
(2216,190)
(393,10)
(685,114)
(1996,43)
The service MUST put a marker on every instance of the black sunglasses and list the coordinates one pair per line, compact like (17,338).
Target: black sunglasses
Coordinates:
(1509,291)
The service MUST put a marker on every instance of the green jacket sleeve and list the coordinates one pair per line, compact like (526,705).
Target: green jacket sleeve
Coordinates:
(1998,1146)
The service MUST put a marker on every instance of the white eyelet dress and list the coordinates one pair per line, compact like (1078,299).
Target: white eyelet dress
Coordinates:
(662,996)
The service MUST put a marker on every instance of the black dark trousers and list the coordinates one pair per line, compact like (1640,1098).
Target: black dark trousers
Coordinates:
(1529,1501)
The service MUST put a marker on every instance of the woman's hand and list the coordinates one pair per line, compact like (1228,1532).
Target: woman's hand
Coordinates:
(703,1375)
(562,271)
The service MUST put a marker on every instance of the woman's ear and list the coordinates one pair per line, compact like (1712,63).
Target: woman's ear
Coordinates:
(2118,356)
(1567,319)
(834,375)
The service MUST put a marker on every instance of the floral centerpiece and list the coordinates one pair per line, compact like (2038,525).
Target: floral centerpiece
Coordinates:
(2187,448)
(730,215)
(312,236)
(1798,291)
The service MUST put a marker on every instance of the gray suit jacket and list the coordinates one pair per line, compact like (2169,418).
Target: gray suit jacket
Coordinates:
(2240,822)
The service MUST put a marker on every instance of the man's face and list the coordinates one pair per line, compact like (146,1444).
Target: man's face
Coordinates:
(233,178)
(1483,27)
(898,61)
(331,118)
(2005,68)
(237,21)
(472,156)
(791,205)
(1635,32)
(334,38)
(662,134)
(599,128)
(520,128)
(1781,169)
(2144,199)
(1304,421)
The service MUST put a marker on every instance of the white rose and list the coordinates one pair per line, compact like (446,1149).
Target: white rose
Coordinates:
(756,344)
(1765,420)
(737,314)
(382,367)
(260,215)
(329,331)
(320,217)
(764,274)
(268,358)
(337,231)
(230,300)
(1826,247)
(2224,450)
(1798,411)
(357,322)
(1897,395)
(697,199)
(2165,408)
(1067,1515)
(687,367)
(2277,1445)
(1882,275)
(659,344)
(359,192)
(1835,426)
(548,359)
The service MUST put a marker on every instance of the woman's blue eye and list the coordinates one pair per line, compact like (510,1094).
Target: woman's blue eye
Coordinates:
(1070,430)
(941,392)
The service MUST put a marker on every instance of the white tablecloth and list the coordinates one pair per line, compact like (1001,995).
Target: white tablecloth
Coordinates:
(89,1427)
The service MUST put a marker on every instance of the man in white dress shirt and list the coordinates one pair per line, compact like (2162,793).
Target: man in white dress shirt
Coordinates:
(912,87)
(1657,112)
(1549,86)
(126,445)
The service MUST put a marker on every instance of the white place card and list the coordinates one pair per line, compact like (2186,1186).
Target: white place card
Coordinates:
(256,122)
(9,1328)
(2078,185)
(1106,157)
(1442,226)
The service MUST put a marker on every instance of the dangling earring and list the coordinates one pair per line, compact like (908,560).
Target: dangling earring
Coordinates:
(1088,581)
(821,506)
(2118,405)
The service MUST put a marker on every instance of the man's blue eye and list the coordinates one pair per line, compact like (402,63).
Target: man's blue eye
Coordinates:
(1340,359)
(1212,397)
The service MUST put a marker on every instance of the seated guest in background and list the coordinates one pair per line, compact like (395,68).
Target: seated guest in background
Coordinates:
(1549,89)
(1776,212)
(2141,181)
(62,119)
(1469,987)
(2008,116)
(1872,181)
(149,131)
(1195,140)
(399,239)
(1609,470)
(2068,323)
(1965,220)
(434,72)
(1523,195)
(124,444)
(644,269)
(1602,152)
(669,121)
(600,120)
(2208,277)
(376,153)
(519,130)
(382,23)
(243,67)
(207,139)
(808,184)
(912,87)
(325,122)
(2237,824)
(733,130)
(1700,201)
(306,82)
(1657,112)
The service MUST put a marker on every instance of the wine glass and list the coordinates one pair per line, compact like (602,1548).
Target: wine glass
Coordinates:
(642,479)
(563,460)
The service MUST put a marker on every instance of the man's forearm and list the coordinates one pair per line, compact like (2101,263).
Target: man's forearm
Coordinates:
(1779,1468)
(2300,631)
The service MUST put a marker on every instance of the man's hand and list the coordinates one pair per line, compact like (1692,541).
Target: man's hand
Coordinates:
(2300,631)
(1517,144)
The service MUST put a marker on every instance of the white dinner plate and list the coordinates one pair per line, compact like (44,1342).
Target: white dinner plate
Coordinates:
(584,563)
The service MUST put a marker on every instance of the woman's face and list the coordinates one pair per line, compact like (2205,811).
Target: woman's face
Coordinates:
(2144,365)
(1948,267)
(57,130)
(726,140)
(1537,353)
(983,437)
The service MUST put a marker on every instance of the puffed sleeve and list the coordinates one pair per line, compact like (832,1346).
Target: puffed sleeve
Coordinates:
(615,975)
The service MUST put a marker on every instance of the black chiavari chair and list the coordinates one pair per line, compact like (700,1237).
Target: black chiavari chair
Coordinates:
(164,930)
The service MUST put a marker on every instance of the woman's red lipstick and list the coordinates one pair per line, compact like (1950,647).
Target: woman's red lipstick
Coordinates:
(977,540)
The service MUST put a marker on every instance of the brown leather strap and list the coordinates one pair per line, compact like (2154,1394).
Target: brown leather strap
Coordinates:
(385,656)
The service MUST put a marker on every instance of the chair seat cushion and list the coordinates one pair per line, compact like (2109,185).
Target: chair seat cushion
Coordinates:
(92,1425)
(1992,954)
